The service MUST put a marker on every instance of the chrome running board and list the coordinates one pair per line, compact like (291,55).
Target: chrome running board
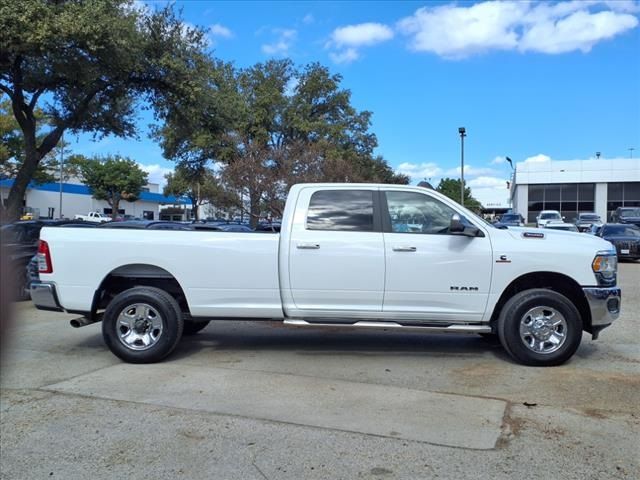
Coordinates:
(393,325)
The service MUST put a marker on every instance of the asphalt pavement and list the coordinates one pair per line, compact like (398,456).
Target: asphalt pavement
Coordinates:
(258,400)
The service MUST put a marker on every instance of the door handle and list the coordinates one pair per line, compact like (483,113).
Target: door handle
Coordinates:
(308,246)
(404,248)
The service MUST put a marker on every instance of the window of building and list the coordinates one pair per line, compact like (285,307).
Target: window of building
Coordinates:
(569,199)
(147,215)
(345,210)
(622,194)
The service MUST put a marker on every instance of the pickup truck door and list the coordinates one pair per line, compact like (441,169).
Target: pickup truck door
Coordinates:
(336,252)
(431,275)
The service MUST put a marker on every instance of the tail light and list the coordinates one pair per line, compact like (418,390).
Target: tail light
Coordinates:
(44,258)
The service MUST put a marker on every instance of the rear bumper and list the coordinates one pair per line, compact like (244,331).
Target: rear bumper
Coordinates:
(604,304)
(44,296)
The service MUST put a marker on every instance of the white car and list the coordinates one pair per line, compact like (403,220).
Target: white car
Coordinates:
(95,217)
(345,257)
(546,216)
(566,227)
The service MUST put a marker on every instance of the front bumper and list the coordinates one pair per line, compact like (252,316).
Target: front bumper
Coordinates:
(604,304)
(44,296)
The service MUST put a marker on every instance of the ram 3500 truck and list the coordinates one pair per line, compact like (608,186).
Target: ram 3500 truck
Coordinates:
(348,255)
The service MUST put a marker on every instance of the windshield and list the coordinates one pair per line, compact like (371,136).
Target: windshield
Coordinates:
(548,216)
(511,218)
(623,230)
(589,216)
(630,212)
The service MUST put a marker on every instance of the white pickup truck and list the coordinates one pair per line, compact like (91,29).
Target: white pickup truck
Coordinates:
(95,217)
(348,255)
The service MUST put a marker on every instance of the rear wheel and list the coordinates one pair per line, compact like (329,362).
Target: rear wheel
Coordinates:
(142,325)
(540,327)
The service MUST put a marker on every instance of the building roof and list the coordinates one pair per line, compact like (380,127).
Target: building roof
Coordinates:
(76,189)
(579,171)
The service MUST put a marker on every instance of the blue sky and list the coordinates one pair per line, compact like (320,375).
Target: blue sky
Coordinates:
(531,81)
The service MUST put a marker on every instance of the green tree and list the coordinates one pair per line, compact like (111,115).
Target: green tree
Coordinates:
(451,188)
(282,125)
(201,187)
(113,179)
(87,65)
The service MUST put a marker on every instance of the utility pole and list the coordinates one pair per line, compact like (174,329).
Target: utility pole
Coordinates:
(61,167)
(631,149)
(463,134)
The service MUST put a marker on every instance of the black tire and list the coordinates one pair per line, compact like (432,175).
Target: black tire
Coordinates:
(167,314)
(515,313)
(193,327)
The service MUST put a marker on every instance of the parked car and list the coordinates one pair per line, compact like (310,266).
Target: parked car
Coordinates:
(625,237)
(146,225)
(96,217)
(343,258)
(547,216)
(566,227)
(268,227)
(595,229)
(511,220)
(233,227)
(626,215)
(585,221)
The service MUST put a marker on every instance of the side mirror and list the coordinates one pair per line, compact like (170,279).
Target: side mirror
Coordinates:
(457,227)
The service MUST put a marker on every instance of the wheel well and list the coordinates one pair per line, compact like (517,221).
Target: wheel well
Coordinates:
(557,282)
(136,275)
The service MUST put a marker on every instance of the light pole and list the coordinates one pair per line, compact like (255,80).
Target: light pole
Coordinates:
(61,163)
(631,149)
(598,155)
(463,133)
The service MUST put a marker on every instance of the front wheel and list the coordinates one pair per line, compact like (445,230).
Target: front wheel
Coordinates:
(142,325)
(540,327)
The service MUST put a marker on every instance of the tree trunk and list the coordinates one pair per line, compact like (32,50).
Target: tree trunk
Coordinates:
(115,205)
(25,174)
(254,208)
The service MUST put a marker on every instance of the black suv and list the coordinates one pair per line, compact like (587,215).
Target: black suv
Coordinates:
(626,215)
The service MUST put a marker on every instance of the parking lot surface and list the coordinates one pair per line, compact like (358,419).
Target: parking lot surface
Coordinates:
(257,400)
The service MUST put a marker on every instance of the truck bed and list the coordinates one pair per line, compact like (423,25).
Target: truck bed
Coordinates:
(222,274)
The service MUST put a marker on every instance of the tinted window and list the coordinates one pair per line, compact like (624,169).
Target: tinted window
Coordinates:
(511,218)
(411,212)
(350,210)
(630,231)
(549,216)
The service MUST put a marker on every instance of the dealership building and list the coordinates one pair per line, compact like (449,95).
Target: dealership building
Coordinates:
(575,186)
(43,200)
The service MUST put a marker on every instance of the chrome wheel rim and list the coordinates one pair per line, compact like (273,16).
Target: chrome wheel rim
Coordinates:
(139,326)
(543,330)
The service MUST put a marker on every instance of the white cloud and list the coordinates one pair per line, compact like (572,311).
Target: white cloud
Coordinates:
(218,30)
(498,160)
(346,56)
(455,32)
(350,38)
(308,19)
(363,34)
(283,42)
(156,173)
(471,171)
(487,182)
(537,158)
(419,171)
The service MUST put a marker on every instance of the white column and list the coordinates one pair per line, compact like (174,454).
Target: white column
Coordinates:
(521,199)
(601,200)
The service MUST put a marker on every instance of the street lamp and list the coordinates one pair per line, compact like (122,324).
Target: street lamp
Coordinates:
(61,166)
(463,133)
(631,149)
(598,155)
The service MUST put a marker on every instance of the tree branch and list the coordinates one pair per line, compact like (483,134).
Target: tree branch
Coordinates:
(6,90)
(34,98)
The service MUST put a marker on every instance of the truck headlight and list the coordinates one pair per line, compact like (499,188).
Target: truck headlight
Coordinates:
(605,267)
